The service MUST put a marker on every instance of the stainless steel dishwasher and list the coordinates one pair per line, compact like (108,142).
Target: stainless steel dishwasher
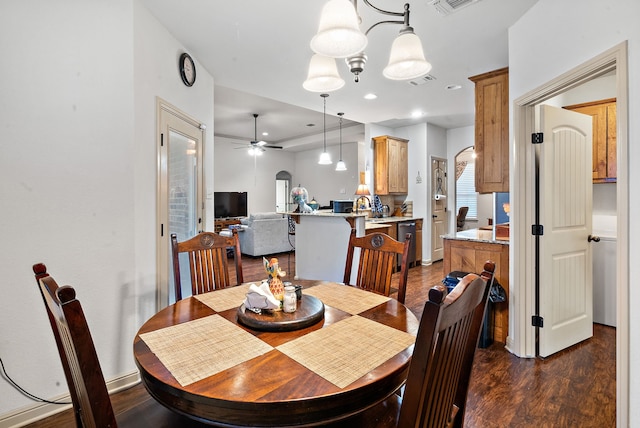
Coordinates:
(404,228)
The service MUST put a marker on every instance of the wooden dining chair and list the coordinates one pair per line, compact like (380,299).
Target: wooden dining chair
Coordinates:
(378,257)
(208,261)
(91,403)
(438,380)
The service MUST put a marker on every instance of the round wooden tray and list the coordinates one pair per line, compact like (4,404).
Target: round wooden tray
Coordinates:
(310,310)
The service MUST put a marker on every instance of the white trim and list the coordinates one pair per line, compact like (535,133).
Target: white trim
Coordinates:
(37,412)
(522,338)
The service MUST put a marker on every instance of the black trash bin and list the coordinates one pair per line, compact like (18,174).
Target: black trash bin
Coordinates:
(486,334)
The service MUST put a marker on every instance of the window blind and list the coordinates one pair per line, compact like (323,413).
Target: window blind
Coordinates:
(466,195)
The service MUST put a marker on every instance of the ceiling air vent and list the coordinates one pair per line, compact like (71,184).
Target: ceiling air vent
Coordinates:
(422,80)
(447,7)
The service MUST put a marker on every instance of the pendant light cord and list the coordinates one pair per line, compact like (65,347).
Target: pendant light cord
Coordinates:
(324,122)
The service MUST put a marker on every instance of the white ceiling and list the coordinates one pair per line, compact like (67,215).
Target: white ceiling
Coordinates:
(258,53)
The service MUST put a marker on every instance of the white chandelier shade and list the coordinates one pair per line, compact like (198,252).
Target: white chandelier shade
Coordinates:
(406,60)
(339,34)
(323,75)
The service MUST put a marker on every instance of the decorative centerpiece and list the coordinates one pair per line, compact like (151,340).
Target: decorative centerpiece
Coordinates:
(300,196)
(275,273)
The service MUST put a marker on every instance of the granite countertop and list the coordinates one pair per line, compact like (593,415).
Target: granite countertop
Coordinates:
(391,219)
(329,213)
(369,220)
(477,235)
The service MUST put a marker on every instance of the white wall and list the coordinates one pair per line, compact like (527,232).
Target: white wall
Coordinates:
(323,181)
(236,171)
(575,32)
(77,174)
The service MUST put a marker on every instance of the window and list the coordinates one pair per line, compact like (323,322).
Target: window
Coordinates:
(466,195)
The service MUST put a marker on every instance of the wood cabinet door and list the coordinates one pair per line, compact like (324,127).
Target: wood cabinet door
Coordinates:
(393,151)
(403,167)
(492,131)
(390,165)
(603,114)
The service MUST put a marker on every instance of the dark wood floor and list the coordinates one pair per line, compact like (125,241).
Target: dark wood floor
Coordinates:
(574,388)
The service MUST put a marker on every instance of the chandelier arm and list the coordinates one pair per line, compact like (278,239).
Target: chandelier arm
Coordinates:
(386,12)
(405,15)
(382,22)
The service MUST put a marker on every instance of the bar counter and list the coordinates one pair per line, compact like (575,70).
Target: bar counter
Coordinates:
(466,251)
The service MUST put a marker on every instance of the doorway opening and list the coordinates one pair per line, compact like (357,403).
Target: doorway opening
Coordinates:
(522,343)
(180,207)
(283,188)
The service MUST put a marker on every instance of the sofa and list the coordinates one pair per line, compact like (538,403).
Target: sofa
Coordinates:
(265,233)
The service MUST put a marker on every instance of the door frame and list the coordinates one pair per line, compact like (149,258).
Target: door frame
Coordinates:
(521,340)
(162,209)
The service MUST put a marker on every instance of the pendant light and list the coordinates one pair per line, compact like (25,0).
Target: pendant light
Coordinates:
(325,159)
(341,166)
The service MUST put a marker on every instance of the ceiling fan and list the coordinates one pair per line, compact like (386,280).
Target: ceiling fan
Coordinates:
(256,147)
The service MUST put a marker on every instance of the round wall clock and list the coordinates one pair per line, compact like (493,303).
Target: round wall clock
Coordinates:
(187,69)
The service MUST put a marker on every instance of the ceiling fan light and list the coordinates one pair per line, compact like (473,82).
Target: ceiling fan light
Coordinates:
(325,159)
(406,60)
(323,75)
(339,34)
(341,166)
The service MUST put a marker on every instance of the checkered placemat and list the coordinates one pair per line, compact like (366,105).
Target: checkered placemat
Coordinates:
(347,350)
(226,298)
(197,349)
(347,298)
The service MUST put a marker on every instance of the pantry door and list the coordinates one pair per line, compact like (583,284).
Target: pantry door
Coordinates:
(565,260)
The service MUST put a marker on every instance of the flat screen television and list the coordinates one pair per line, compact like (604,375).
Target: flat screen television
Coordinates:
(230,204)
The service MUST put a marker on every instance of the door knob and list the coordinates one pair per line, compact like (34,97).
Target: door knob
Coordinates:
(593,238)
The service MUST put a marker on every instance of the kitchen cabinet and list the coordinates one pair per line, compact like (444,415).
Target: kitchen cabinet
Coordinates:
(492,131)
(604,138)
(390,165)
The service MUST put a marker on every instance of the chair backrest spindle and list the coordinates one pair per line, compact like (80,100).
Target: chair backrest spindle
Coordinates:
(208,261)
(378,257)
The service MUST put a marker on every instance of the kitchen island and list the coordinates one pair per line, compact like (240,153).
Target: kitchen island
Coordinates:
(322,240)
(466,251)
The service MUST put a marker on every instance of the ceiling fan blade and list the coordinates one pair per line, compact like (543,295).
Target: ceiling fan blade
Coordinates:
(273,147)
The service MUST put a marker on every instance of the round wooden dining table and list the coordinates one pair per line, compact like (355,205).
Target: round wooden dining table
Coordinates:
(196,358)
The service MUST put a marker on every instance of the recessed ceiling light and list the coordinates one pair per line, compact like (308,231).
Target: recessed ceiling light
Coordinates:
(370,97)
(416,114)
(452,87)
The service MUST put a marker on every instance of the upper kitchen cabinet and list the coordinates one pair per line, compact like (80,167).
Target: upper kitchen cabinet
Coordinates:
(604,138)
(492,131)
(390,165)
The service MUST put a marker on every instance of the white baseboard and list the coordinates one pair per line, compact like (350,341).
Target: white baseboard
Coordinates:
(39,411)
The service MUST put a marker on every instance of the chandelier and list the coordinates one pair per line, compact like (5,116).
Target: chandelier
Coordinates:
(339,36)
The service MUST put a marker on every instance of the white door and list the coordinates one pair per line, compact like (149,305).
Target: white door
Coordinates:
(438,207)
(282,195)
(565,263)
(180,192)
